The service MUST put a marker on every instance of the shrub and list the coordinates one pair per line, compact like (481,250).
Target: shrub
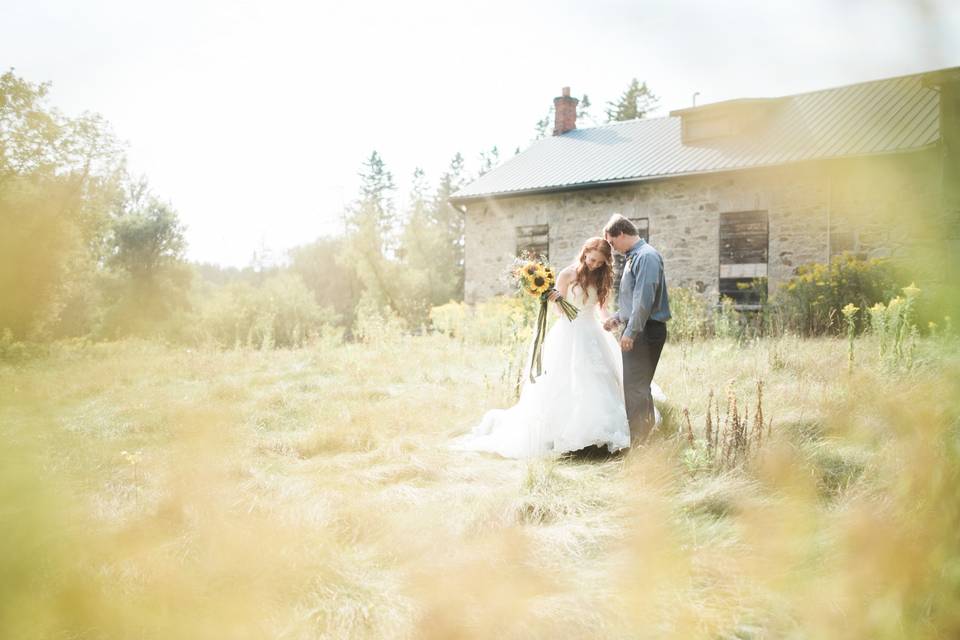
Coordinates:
(14,351)
(726,319)
(689,314)
(376,322)
(495,321)
(281,312)
(811,302)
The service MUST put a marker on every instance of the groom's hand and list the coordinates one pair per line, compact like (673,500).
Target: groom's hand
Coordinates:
(626,343)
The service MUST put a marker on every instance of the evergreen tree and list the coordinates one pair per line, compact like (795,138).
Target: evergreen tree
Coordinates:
(636,102)
(584,116)
(450,221)
(489,160)
(422,248)
(543,125)
(372,236)
(375,211)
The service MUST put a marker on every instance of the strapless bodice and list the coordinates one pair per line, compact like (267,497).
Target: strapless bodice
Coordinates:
(582,299)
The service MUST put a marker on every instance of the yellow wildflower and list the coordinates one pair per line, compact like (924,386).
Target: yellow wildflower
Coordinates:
(911,291)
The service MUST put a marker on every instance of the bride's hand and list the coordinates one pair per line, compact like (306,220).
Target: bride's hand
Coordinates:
(553,296)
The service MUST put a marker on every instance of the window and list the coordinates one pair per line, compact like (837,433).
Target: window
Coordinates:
(643,229)
(846,242)
(744,242)
(535,239)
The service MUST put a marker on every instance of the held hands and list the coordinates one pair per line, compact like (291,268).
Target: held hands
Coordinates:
(611,323)
(626,342)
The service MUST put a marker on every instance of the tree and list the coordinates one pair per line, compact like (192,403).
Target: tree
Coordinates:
(636,102)
(584,116)
(149,282)
(147,234)
(543,125)
(450,220)
(58,178)
(431,272)
(489,160)
(583,111)
(375,212)
(372,236)
(333,282)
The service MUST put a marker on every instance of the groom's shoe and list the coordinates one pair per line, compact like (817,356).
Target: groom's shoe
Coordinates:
(593,452)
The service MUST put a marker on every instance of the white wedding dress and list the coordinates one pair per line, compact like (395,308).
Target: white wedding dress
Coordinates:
(577,402)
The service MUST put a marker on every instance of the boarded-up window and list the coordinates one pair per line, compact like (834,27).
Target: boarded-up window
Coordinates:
(534,239)
(643,229)
(744,242)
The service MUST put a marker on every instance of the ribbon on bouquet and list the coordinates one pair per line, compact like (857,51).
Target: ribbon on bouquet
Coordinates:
(536,361)
(536,358)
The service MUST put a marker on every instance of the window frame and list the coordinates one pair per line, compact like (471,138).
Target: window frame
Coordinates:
(733,272)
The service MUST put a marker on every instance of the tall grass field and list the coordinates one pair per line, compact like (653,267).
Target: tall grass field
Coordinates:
(162,492)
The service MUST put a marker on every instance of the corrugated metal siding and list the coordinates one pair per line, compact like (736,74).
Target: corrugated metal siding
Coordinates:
(883,116)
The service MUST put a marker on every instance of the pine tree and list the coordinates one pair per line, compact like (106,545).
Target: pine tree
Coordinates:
(372,233)
(450,220)
(583,111)
(375,212)
(489,159)
(425,253)
(636,102)
(543,125)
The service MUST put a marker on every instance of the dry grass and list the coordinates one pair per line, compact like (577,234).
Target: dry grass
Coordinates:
(310,494)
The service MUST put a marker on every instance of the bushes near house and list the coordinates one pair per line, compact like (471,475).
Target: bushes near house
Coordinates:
(691,315)
(812,302)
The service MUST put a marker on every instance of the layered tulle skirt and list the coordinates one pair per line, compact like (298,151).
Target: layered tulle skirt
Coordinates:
(577,402)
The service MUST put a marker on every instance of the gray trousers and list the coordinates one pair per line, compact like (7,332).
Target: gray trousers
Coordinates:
(639,365)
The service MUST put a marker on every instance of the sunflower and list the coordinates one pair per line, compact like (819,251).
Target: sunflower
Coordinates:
(531,268)
(539,284)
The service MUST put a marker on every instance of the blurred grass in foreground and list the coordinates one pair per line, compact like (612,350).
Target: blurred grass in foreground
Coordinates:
(166,493)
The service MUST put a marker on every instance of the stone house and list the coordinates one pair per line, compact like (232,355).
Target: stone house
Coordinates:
(736,190)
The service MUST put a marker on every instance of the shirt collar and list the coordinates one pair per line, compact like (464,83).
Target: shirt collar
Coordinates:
(636,247)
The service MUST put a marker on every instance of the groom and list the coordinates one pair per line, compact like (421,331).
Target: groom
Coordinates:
(644,310)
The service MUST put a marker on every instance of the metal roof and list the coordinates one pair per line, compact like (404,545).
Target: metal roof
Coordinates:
(882,116)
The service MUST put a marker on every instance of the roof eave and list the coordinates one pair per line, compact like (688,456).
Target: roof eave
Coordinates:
(622,181)
(736,103)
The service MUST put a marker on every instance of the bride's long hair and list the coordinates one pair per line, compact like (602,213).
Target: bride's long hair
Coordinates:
(601,277)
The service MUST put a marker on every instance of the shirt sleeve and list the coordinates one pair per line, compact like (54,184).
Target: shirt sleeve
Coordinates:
(622,315)
(644,293)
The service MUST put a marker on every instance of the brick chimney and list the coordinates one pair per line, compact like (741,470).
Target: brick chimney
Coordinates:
(565,113)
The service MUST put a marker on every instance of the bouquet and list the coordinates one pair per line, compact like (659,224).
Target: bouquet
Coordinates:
(535,277)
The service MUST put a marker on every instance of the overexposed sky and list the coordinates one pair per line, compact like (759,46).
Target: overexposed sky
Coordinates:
(253,118)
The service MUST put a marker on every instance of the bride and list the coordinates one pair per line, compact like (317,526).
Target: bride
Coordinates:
(578,401)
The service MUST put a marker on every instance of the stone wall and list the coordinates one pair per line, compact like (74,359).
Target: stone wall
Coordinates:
(880,202)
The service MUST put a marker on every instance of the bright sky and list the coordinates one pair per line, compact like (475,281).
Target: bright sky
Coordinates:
(253,118)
